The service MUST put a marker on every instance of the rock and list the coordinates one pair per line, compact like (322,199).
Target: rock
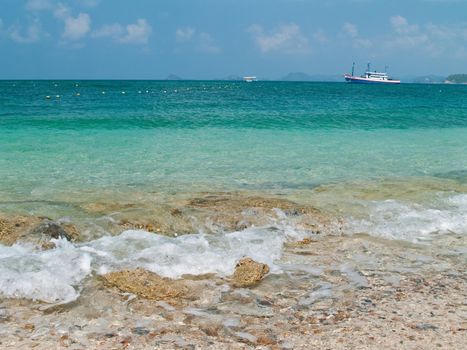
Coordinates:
(106,208)
(147,284)
(149,227)
(246,337)
(140,330)
(13,228)
(237,211)
(425,326)
(176,212)
(47,229)
(249,272)
(31,229)
(51,229)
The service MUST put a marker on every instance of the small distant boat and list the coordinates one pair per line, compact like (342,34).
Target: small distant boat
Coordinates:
(370,77)
(249,79)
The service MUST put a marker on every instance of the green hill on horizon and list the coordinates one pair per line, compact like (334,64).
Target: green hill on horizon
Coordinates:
(457,79)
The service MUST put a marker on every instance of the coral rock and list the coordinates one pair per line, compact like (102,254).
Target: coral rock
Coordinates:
(147,284)
(249,272)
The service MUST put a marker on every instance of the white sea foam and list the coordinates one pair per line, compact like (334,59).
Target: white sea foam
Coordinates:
(55,275)
(50,275)
(408,221)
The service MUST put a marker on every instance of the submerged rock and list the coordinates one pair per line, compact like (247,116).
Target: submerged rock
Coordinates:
(147,284)
(236,211)
(106,208)
(249,272)
(51,229)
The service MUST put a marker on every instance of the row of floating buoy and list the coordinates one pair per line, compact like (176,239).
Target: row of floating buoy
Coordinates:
(48,97)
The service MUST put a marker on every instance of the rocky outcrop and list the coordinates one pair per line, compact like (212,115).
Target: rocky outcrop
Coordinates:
(147,284)
(249,272)
(210,212)
(48,229)
(14,227)
(34,230)
(233,211)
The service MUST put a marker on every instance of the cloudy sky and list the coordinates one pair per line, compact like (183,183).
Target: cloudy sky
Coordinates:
(149,39)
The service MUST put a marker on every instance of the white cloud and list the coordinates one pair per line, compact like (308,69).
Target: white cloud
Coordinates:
(62,11)
(350,29)
(114,31)
(320,36)
(351,34)
(89,3)
(407,35)
(287,38)
(401,26)
(429,38)
(206,44)
(32,34)
(38,5)
(77,27)
(184,34)
(201,42)
(137,33)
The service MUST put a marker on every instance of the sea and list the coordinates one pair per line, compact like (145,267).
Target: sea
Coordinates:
(389,162)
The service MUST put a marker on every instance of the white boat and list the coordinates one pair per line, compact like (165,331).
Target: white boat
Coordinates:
(370,77)
(249,79)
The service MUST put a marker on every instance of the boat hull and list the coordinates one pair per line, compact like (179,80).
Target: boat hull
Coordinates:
(360,80)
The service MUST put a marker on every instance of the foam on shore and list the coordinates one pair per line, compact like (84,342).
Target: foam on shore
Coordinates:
(49,276)
(413,222)
(55,275)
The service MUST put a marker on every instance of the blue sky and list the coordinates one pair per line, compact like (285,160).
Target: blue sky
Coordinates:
(149,39)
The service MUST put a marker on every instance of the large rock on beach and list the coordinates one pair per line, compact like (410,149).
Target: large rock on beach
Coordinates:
(249,272)
(12,228)
(147,284)
(34,230)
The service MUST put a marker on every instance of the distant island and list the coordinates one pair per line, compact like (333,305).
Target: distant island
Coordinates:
(427,79)
(459,78)
(456,79)
(424,79)
(173,77)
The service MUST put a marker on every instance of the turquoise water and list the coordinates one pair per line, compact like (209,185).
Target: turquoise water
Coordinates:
(183,136)
(387,161)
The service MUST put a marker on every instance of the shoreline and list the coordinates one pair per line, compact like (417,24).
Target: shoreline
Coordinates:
(340,292)
(329,287)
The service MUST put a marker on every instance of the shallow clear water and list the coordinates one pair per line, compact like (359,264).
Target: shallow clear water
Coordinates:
(226,135)
(391,160)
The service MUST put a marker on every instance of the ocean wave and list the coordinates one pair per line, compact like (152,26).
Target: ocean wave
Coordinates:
(55,276)
(395,219)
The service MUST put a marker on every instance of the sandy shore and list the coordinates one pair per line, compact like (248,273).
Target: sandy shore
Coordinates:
(333,291)
(419,303)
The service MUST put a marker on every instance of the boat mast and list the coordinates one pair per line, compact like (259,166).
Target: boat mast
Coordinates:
(368,67)
(353,67)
